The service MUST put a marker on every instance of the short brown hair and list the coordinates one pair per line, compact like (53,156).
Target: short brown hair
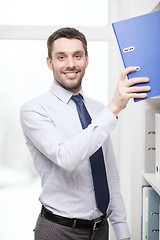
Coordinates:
(70,33)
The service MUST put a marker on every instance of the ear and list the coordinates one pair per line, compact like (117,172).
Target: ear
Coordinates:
(87,61)
(49,63)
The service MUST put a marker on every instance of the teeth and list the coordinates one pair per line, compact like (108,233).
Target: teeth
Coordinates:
(70,74)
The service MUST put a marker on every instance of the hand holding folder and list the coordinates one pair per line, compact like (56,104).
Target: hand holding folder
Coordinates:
(126,90)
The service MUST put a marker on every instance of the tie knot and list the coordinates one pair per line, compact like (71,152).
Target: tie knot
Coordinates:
(77,98)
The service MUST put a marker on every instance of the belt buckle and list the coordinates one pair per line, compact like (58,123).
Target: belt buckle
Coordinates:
(95,227)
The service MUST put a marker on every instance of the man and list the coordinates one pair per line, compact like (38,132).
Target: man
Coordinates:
(62,148)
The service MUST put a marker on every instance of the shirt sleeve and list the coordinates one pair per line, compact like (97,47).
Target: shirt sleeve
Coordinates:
(68,153)
(116,212)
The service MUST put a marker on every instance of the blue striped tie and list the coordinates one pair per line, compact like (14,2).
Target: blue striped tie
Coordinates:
(96,160)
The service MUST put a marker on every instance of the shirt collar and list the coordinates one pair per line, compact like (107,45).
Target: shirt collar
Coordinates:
(61,93)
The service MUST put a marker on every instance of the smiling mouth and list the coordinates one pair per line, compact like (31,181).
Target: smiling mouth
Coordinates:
(71,74)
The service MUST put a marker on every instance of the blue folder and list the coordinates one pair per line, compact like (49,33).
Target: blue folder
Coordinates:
(150,213)
(153,217)
(139,44)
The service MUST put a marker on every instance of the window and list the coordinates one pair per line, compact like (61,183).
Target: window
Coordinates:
(51,12)
(24,75)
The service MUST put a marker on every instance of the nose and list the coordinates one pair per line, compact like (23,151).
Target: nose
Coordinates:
(70,62)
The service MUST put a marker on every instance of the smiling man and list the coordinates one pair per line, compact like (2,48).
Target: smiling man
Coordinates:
(68,62)
(68,136)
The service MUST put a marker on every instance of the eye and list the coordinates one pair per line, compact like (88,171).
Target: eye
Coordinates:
(78,56)
(61,57)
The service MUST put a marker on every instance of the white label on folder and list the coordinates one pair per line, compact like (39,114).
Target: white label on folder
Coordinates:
(128,49)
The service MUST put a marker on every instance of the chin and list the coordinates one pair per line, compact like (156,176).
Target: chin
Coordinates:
(71,85)
(73,89)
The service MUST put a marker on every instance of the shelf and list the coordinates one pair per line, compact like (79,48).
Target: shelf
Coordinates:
(157,97)
(154,180)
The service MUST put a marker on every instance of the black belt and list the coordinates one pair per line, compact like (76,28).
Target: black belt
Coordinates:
(73,222)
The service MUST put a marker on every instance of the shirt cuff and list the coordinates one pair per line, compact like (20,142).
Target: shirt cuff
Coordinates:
(122,231)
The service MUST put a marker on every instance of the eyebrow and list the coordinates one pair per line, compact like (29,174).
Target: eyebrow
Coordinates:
(76,52)
(58,53)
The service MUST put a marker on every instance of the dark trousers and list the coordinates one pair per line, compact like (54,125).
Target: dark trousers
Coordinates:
(47,230)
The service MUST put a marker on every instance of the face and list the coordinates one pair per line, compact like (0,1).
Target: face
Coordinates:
(68,63)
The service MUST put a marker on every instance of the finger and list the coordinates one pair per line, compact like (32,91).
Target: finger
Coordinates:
(133,81)
(138,95)
(127,71)
(139,89)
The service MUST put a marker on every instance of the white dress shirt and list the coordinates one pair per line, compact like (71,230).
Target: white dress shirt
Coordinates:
(61,151)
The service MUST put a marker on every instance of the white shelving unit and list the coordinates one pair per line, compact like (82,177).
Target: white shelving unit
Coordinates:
(154,180)
(150,174)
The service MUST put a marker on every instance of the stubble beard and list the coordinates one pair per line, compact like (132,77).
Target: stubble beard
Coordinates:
(75,87)
(72,88)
